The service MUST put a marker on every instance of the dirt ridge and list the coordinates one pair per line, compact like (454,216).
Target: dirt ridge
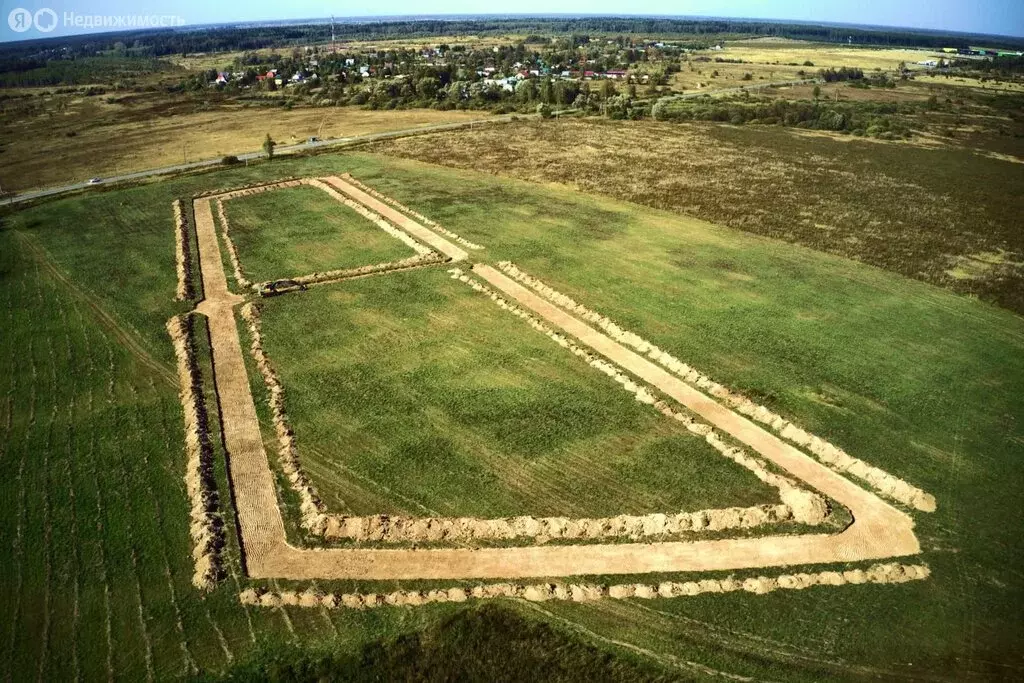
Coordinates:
(206,527)
(242,281)
(329,276)
(182,263)
(368,214)
(888,573)
(396,528)
(311,505)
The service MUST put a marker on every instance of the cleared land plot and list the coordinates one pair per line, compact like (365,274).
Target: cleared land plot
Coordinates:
(822,55)
(918,381)
(713,75)
(295,231)
(423,395)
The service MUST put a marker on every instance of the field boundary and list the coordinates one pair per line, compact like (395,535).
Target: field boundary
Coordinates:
(891,573)
(879,531)
(182,262)
(836,458)
(206,528)
(424,255)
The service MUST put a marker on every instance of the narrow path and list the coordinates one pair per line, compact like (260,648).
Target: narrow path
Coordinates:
(407,224)
(879,531)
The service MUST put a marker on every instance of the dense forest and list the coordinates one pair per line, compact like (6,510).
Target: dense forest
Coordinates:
(34,54)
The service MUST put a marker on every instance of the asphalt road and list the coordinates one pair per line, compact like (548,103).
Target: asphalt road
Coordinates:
(247,156)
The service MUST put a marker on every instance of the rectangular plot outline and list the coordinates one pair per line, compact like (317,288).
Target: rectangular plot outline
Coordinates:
(424,255)
(879,530)
(317,520)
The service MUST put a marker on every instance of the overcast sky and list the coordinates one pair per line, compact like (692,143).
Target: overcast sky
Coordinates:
(1004,17)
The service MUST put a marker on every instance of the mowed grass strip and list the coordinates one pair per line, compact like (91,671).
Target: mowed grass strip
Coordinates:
(429,389)
(300,230)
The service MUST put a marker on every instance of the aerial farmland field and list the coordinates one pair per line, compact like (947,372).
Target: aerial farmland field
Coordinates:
(556,417)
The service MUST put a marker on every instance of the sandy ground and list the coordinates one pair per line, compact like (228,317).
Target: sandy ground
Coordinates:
(879,530)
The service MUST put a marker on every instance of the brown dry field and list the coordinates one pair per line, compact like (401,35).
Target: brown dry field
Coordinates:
(919,210)
(823,56)
(699,75)
(110,139)
(988,87)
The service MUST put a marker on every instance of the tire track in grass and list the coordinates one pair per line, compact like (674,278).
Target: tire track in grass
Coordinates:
(188,662)
(28,641)
(284,615)
(964,581)
(75,550)
(90,461)
(326,615)
(132,553)
(748,644)
(47,523)
(130,468)
(18,550)
(12,540)
(128,340)
(665,660)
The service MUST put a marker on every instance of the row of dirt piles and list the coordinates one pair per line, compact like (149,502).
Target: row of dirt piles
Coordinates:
(394,529)
(206,528)
(371,216)
(437,227)
(230,192)
(429,258)
(310,505)
(805,506)
(834,457)
(588,592)
(183,263)
(232,252)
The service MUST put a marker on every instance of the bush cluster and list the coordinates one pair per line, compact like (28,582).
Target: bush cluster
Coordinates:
(873,119)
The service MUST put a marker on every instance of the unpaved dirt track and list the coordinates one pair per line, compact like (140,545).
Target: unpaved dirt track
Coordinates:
(879,530)
(409,225)
(260,521)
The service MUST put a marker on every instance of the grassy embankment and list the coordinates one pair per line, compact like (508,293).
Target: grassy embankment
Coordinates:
(911,378)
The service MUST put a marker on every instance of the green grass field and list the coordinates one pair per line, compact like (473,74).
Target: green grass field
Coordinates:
(913,379)
(426,390)
(296,231)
